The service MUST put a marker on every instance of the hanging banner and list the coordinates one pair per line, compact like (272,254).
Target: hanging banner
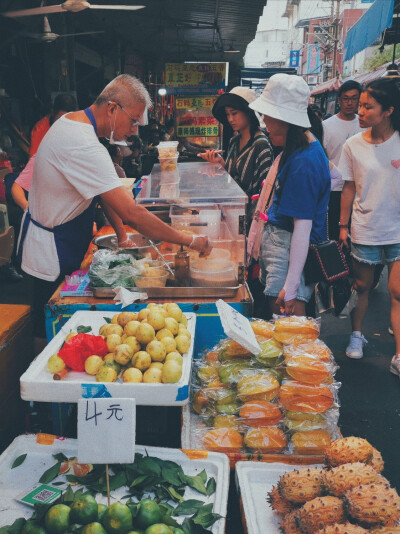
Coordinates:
(313,59)
(294,58)
(194,117)
(195,78)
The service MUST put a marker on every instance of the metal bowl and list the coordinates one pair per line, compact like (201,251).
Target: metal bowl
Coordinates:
(142,245)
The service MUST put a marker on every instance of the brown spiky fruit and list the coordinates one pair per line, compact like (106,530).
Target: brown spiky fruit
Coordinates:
(344,477)
(386,530)
(320,513)
(301,485)
(346,528)
(278,503)
(348,450)
(376,461)
(289,524)
(373,504)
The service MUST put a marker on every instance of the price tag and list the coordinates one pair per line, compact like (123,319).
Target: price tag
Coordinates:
(106,430)
(237,327)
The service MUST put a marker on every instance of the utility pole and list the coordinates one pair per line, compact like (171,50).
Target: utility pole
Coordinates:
(335,36)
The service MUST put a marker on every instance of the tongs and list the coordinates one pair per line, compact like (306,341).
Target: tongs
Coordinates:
(162,258)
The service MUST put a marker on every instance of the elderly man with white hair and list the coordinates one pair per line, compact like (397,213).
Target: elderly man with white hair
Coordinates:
(72,172)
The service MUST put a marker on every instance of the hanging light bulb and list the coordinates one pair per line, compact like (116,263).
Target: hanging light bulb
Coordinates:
(162,91)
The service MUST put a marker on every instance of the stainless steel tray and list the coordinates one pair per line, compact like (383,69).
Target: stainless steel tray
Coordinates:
(171,292)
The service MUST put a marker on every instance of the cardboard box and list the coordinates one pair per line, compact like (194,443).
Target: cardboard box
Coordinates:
(16,353)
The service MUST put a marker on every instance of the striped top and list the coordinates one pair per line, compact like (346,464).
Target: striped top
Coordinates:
(249,167)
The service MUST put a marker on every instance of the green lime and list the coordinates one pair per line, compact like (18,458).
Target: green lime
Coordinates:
(148,513)
(101,508)
(31,527)
(93,528)
(117,519)
(158,528)
(56,519)
(84,510)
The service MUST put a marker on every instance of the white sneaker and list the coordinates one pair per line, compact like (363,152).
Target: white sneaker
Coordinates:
(395,365)
(390,330)
(355,348)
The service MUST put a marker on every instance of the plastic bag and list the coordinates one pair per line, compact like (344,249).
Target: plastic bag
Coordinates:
(308,398)
(294,330)
(314,349)
(75,351)
(110,269)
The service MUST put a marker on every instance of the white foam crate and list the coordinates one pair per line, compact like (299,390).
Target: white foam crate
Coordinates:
(37,382)
(40,458)
(254,480)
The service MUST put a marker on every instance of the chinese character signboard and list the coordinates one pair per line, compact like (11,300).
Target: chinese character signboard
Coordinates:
(313,59)
(195,78)
(294,58)
(194,117)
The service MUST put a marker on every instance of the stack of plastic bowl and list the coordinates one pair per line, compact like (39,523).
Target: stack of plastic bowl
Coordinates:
(168,155)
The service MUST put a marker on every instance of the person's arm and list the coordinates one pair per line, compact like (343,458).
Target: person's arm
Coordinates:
(147,223)
(346,204)
(116,222)
(18,195)
(297,258)
(212,156)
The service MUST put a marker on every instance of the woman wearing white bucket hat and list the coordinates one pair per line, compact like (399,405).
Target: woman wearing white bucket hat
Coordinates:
(297,213)
(249,155)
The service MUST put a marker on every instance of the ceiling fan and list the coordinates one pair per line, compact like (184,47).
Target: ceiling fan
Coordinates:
(48,36)
(68,5)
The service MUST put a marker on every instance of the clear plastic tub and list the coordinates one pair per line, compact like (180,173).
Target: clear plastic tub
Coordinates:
(212,217)
(167,149)
(213,273)
(151,281)
(169,163)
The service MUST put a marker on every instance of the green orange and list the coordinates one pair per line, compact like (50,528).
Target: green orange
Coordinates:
(56,519)
(148,513)
(31,527)
(117,519)
(84,510)
(93,528)
(158,528)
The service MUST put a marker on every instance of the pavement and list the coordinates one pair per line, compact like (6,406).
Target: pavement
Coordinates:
(369,394)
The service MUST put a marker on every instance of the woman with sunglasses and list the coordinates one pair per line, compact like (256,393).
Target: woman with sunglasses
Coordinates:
(370,164)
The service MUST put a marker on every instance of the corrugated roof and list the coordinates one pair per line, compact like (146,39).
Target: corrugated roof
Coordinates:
(166,30)
(329,85)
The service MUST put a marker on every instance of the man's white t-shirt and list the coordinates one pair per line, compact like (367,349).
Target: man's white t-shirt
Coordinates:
(336,133)
(71,168)
(375,170)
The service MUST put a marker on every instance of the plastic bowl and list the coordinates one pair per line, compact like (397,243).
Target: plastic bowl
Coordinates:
(169,163)
(213,273)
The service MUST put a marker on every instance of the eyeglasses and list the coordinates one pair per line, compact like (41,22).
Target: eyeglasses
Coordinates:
(349,98)
(134,122)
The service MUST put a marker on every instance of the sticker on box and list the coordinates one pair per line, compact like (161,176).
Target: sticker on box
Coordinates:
(39,494)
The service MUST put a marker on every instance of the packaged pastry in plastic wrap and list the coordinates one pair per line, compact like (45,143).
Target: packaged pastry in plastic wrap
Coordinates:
(293,330)
(307,398)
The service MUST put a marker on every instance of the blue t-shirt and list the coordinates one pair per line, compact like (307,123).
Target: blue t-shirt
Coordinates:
(302,191)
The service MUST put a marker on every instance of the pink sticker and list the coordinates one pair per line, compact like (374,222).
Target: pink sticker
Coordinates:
(396,163)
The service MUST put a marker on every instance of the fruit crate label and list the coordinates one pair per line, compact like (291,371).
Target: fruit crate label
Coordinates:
(39,494)
(237,327)
(106,430)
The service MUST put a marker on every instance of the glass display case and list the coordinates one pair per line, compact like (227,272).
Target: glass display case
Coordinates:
(201,198)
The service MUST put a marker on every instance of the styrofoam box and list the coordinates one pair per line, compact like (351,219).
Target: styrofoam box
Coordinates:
(37,382)
(254,480)
(40,458)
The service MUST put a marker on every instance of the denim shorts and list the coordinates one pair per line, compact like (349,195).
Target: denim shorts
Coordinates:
(274,263)
(375,254)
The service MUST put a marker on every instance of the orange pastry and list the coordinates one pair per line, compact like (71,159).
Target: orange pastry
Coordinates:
(260,413)
(266,440)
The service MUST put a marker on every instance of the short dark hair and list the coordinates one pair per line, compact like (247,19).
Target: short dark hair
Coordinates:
(350,85)
(64,102)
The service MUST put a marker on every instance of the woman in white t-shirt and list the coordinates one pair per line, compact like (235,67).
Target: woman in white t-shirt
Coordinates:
(370,164)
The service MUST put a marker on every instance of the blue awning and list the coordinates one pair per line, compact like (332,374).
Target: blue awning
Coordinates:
(369,27)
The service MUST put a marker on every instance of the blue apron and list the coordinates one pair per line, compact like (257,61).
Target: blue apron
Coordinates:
(71,238)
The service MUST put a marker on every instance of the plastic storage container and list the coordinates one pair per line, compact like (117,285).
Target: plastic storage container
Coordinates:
(169,163)
(213,273)
(167,149)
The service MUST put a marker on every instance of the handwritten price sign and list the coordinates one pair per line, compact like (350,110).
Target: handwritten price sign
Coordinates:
(106,430)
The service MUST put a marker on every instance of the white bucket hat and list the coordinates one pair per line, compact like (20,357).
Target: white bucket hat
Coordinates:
(285,97)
